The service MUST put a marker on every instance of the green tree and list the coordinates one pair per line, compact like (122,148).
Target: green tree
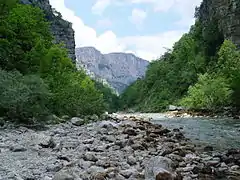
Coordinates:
(210,92)
(22,97)
(22,31)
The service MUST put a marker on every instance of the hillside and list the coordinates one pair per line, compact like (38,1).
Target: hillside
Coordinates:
(201,71)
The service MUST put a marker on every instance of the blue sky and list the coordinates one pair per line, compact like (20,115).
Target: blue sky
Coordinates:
(142,27)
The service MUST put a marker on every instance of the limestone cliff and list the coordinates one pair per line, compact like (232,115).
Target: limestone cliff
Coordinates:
(226,13)
(61,29)
(118,69)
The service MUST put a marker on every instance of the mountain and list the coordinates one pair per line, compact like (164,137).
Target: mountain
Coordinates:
(118,69)
(62,30)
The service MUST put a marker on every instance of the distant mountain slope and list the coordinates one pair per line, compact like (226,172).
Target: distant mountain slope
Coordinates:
(118,69)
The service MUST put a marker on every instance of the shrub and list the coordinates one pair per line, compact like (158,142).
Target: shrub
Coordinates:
(22,97)
(210,92)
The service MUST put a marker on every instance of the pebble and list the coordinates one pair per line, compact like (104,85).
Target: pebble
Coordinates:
(111,149)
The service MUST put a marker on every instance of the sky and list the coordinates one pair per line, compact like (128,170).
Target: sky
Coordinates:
(142,27)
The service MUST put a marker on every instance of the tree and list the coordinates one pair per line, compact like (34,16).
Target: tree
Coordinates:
(23,30)
(210,92)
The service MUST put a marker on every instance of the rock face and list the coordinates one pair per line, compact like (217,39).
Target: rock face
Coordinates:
(228,17)
(61,29)
(119,69)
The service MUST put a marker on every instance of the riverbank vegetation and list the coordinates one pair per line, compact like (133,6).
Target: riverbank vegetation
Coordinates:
(37,78)
(201,71)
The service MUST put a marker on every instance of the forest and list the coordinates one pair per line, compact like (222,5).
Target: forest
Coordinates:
(200,72)
(37,78)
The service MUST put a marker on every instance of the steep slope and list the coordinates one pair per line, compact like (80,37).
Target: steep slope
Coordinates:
(226,14)
(119,69)
(61,29)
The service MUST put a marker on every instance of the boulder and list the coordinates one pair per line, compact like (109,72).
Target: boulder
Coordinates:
(159,168)
(62,176)
(77,121)
(174,108)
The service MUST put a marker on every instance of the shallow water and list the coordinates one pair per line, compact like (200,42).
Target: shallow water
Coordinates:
(220,133)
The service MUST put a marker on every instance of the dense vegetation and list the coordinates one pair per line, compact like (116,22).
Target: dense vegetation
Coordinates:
(36,76)
(202,71)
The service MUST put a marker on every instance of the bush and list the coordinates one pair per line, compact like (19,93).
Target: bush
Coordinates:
(210,92)
(22,97)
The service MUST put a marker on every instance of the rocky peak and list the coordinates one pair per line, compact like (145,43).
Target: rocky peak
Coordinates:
(118,69)
(61,29)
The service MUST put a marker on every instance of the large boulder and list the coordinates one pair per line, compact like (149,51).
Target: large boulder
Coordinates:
(159,168)
(174,108)
(77,121)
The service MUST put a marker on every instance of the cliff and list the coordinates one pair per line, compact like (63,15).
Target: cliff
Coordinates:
(118,69)
(61,29)
(226,13)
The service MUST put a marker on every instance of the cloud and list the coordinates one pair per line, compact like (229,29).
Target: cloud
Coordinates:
(100,6)
(85,35)
(148,47)
(152,46)
(138,16)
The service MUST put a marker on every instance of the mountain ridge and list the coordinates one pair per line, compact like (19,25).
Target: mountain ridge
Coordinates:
(117,68)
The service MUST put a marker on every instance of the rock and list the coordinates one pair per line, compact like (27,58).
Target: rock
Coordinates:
(131,160)
(77,121)
(94,118)
(235,168)
(137,146)
(212,163)
(174,108)
(62,176)
(90,157)
(17,149)
(84,164)
(108,125)
(54,167)
(208,148)
(130,132)
(159,168)
(126,173)
(48,142)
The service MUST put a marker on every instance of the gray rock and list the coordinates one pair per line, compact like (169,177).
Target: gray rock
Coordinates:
(108,125)
(174,108)
(157,167)
(18,148)
(62,176)
(126,173)
(235,168)
(131,160)
(77,121)
(89,156)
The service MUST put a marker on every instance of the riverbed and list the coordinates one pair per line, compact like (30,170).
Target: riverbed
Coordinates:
(220,133)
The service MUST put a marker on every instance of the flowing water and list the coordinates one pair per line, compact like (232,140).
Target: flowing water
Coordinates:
(221,133)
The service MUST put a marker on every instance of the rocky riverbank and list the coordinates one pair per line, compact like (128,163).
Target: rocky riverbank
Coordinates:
(116,149)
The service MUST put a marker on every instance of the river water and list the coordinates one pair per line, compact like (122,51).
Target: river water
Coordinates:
(220,133)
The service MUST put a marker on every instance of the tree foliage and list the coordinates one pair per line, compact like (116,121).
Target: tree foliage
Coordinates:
(37,78)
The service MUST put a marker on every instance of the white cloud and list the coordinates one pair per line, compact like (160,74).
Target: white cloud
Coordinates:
(100,6)
(152,46)
(138,16)
(148,47)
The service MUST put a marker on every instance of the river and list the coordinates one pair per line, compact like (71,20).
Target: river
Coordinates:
(220,133)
